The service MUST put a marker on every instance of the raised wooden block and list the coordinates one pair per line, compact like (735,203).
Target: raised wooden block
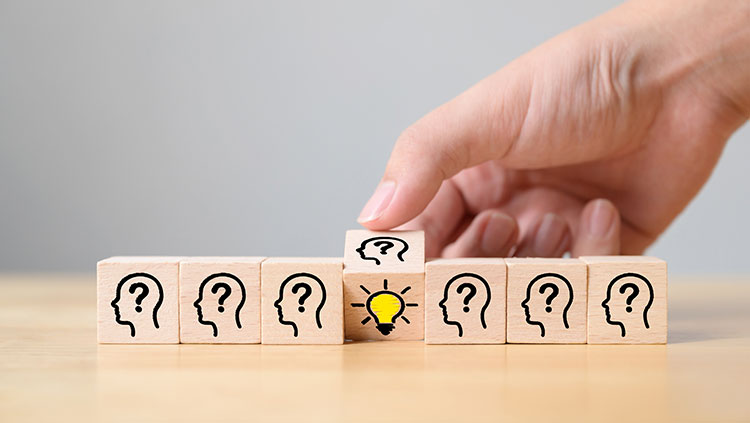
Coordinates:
(384,252)
(302,301)
(546,301)
(627,300)
(220,300)
(137,300)
(384,285)
(465,301)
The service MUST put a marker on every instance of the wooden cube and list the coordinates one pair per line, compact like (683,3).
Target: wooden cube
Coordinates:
(546,301)
(627,300)
(220,300)
(384,285)
(384,306)
(384,252)
(302,301)
(137,300)
(465,301)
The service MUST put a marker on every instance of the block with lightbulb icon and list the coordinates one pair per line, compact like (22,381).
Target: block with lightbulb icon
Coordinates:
(384,285)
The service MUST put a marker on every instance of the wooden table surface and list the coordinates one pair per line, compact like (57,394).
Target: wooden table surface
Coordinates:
(51,369)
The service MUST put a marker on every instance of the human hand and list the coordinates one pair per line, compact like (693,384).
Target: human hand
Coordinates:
(592,143)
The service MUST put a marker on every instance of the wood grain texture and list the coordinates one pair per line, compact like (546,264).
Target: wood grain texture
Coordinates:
(137,300)
(220,300)
(465,314)
(627,300)
(363,288)
(52,370)
(302,301)
(546,301)
(384,252)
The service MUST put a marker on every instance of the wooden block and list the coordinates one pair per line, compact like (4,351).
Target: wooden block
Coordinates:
(627,300)
(384,252)
(220,300)
(302,301)
(465,301)
(546,301)
(384,306)
(384,285)
(137,300)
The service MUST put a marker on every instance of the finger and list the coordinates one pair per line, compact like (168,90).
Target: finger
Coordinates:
(440,219)
(477,126)
(491,234)
(549,237)
(598,231)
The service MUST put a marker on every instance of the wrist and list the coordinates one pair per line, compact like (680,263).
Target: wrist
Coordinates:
(704,44)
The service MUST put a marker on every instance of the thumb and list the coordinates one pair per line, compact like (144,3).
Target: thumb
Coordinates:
(478,125)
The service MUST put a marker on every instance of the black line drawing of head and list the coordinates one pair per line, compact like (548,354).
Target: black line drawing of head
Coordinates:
(624,295)
(226,298)
(555,293)
(457,299)
(296,294)
(377,248)
(136,293)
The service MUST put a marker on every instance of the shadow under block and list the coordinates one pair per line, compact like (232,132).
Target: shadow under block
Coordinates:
(627,300)
(546,301)
(302,301)
(137,300)
(384,285)
(220,300)
(465,301)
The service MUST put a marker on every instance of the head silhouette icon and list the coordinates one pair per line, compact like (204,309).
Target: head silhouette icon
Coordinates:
(220,300)
(465,299)
(383,250)
(138,297)
(301,297)
(629,298)
(548,299)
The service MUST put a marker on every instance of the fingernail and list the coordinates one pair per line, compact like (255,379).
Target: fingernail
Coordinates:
(497,233)
(601,220)
(378,203)
(550,235)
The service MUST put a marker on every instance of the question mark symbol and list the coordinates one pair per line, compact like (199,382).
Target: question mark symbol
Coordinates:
(384,246)
(472,292)
(631,297)
(304,296)
(551,296)
(141,296)
(224,296)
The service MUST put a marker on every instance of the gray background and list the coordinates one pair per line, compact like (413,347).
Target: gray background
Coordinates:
(191,127)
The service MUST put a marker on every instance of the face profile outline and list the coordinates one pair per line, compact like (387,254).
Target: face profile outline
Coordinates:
(296,287)
(635,292)
(228,292)
(380,246)
(145,292)
(472,291)
(551,291)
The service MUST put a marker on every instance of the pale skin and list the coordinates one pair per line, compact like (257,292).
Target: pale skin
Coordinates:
(591,144)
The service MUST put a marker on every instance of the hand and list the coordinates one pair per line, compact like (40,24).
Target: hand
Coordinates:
(591,143)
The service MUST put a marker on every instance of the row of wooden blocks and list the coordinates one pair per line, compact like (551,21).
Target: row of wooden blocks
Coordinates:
(382,290)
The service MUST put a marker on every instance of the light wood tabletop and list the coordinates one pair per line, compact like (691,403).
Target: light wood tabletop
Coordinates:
(51,369)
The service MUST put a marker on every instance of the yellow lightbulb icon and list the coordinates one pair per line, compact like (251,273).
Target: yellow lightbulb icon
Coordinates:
(385,307)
